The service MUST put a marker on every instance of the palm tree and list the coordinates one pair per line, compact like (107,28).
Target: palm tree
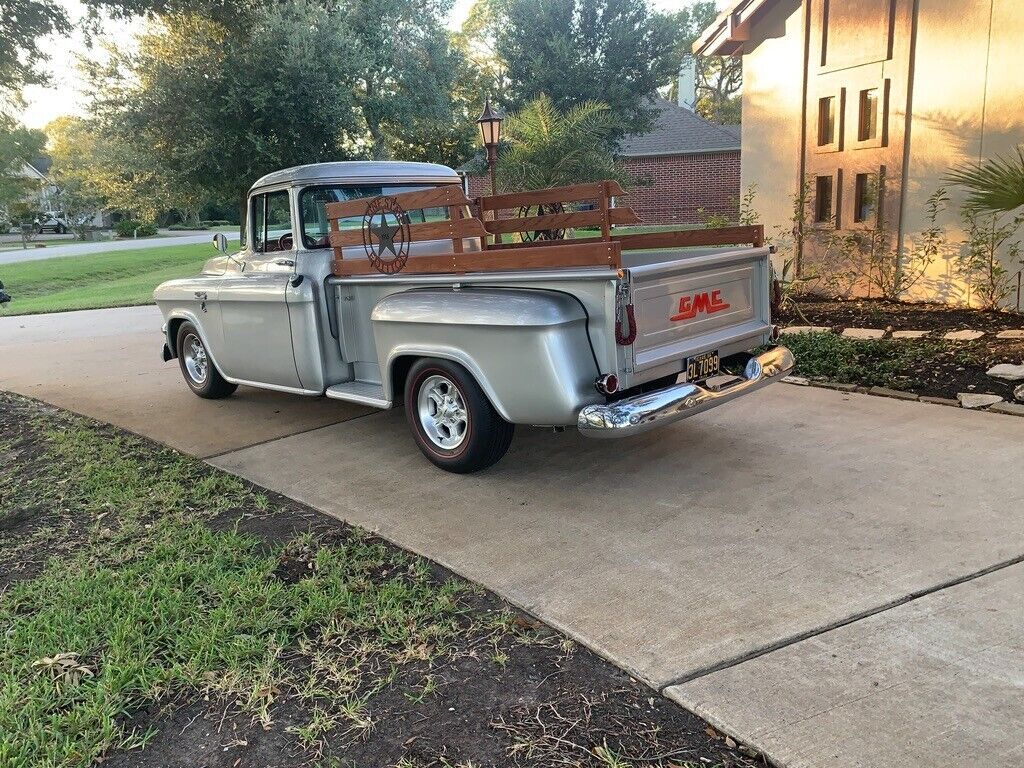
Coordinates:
(996,185)
(548,148)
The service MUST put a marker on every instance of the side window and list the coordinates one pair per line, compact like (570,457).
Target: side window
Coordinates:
(257,214)
(278,235)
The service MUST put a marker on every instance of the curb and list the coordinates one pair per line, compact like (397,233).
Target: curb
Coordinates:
(1005,407)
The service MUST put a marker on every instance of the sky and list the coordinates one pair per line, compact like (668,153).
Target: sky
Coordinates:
(65,95)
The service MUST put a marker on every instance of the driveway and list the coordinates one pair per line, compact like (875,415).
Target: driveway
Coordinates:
(33,253)
(832,578)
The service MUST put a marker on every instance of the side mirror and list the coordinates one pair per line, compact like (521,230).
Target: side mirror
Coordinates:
(220,242)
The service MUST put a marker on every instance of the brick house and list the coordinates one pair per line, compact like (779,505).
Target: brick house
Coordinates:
(683,164)
(861,107)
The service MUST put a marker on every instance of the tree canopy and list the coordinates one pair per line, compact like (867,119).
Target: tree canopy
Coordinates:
(18,145)
(573,51)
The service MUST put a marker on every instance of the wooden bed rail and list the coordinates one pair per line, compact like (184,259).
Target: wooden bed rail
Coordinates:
(386,231)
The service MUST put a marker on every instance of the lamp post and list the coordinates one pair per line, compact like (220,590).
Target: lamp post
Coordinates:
(490,132)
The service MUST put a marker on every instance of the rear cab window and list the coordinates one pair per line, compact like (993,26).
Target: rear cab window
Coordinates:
(313,201)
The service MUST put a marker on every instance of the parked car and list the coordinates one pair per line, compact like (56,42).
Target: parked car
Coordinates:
(53,221)
(343,290)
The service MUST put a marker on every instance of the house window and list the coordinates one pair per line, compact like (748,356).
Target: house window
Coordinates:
(867,124)
(865,197)
(826,120)
(823,187)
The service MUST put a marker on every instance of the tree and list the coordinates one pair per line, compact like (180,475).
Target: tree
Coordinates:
(549,148)
(74,171)
(18,145)
(22,23)
(477,40)
(581,50)
(719,78)
(212,111)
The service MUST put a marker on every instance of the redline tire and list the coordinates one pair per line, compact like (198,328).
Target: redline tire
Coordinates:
(205,381)
(486,436)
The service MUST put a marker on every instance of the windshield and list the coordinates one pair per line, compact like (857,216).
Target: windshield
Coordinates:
(316,228)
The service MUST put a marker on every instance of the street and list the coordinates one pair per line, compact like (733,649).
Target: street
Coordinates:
(833,578)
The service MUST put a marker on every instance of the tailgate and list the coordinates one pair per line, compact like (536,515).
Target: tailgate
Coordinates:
(692,304)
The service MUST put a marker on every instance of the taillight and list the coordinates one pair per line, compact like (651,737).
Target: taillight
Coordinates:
(607,384)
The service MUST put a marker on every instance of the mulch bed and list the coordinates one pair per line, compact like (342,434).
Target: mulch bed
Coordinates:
(947,367)
(549,703)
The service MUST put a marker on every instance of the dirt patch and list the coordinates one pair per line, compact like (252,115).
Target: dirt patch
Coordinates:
(506,691)
(874,313)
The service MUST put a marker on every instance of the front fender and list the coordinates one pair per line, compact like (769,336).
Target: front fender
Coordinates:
(528,349)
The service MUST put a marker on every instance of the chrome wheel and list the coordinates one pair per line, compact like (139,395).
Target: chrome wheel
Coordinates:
(442,412)
(196,362)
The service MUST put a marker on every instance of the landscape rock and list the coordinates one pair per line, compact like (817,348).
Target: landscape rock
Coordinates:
(1013,334)
(909,334)
(837,385)
(1010,409)
(1018,393)
(1006,371)
(963,335)
(806,329)
(977,400)
(800,381)
(864,333)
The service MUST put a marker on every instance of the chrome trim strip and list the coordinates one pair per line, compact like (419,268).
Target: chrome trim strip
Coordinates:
(643,412)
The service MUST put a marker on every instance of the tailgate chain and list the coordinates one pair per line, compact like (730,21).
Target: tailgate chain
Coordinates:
(624,310)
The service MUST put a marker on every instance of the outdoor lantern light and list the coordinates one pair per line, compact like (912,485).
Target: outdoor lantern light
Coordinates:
(490,132)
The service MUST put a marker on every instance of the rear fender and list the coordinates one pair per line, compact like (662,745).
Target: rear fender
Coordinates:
(527,349)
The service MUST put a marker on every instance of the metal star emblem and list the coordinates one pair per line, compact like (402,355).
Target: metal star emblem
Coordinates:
(386,234)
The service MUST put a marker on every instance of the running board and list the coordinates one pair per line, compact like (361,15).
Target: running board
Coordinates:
(362,392)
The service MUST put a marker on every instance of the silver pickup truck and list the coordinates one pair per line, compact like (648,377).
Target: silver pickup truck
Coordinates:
(611,351)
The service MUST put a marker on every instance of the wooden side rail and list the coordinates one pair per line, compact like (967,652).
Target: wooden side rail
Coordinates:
(682,238)
(571,194)
(564,254)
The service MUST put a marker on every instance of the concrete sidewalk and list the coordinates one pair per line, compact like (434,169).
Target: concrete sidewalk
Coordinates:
(833,578)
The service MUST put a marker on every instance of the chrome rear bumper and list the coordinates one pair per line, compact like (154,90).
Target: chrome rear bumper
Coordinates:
(643,412)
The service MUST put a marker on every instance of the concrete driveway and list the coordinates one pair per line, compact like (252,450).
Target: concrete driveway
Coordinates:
(835,579)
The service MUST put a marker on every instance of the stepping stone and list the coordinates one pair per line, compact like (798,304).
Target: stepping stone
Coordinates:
(1011,409)
(909,334)
(976,400)
(806,329)
(963,335)
(1006,371)
(800,381)
(1018,393)
(939,400)
(1017,334)
(864,333)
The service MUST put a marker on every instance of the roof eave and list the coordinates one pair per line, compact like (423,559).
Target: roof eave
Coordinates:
(727,35)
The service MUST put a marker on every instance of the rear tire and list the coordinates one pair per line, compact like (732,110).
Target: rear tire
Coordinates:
(451,419)
(197,366)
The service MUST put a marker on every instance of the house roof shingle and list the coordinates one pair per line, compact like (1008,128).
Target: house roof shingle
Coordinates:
(678,131)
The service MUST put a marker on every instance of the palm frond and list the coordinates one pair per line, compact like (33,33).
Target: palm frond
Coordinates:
(995,185)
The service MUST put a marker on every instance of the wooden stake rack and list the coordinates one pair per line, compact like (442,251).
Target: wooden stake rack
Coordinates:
(492,254)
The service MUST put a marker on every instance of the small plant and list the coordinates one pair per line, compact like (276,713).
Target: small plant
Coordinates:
(746,215)
(134,228)
(991,240)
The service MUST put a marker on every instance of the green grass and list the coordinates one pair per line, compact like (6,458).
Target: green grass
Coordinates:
(149,601)
(108,279)
(870,363)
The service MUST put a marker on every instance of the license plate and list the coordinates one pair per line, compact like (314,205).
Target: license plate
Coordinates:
(702,366)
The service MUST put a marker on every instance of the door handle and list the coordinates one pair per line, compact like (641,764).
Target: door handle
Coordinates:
(285,263)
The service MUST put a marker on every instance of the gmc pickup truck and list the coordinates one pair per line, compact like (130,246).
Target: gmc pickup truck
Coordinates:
(381,283)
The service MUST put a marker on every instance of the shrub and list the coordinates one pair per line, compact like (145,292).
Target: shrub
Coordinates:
(129,228)
(215,223)
(186,227)
(871,363)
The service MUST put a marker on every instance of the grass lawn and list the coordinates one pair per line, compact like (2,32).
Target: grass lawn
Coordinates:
(110,279)
(156,612)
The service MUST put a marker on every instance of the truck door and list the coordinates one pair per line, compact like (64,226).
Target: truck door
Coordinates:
(254,313)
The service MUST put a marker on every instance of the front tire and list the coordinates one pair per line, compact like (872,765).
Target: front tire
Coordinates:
(197,366)
(451,419)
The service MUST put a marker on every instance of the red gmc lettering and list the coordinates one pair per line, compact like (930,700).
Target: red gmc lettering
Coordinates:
(691,306)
